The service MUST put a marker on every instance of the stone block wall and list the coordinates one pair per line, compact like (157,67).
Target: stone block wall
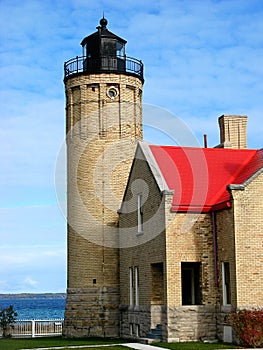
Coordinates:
(191,323)
(222,313)
(91,312)
(135,321)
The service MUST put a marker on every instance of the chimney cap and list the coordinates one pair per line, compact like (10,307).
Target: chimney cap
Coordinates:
(232,116)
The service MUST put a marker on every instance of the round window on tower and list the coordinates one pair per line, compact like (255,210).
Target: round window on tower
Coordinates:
(112,92)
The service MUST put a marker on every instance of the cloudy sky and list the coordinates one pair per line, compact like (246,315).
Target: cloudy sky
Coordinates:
(203,58)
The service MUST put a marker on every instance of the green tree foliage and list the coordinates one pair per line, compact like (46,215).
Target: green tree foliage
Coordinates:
(7,319)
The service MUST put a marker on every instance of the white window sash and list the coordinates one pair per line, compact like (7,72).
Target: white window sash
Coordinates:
(136,271)
(131,285)
(139,212)
(224,286)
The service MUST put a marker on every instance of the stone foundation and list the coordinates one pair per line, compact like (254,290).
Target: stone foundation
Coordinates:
(158,315)
(191,323)
(222,314)
(92,312)
(179,324)
(133,317)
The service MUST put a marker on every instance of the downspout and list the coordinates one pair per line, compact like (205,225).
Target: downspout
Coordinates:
(215,248)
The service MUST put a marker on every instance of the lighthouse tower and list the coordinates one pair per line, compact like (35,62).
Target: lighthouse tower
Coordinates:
(103,91)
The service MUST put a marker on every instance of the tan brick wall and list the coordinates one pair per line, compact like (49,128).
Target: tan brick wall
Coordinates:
(189,238)
(226,250)
(173,246)
(102,134)
(240,242)
(194,244)
(141,250)
(248,208)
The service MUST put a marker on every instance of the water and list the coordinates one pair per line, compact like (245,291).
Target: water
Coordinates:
(36,308)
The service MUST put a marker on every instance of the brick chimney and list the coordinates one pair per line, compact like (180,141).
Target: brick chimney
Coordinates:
(233,131)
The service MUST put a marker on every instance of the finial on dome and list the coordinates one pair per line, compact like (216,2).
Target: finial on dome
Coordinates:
(103,22)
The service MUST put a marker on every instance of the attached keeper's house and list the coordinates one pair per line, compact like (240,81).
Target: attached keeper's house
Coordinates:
(191,237)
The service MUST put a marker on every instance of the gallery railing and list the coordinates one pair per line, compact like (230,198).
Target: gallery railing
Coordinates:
(114,64)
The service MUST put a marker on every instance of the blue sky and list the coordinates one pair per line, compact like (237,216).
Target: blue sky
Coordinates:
(203,58)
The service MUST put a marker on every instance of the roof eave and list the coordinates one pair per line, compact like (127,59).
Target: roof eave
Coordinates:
(156,171)
(245,183)
(201,209)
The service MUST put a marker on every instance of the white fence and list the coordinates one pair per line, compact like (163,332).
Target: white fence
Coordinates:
(36,328)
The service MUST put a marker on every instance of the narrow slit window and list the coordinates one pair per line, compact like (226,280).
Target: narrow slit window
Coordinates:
(136,272)
(137,330)
(226,283)
(131,285)
(140,214)
(131,329)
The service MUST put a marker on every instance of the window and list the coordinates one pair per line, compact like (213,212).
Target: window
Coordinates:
(157,284)
(134,285)
(137,330)
(131,285)
(136,272)
(191,283)
(112,92)
(226,283)
(140,214)
(131,329)
(120,49)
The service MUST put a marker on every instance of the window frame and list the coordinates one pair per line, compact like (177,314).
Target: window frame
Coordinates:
(139,214)
(194,288)
(131,283)
(226,283)
(136,285)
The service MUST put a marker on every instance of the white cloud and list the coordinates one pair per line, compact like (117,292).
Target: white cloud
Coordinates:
(30,282)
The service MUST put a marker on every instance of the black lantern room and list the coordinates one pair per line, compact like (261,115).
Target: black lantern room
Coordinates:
(103,52)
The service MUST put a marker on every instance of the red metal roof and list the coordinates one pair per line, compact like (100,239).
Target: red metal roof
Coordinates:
(199,176)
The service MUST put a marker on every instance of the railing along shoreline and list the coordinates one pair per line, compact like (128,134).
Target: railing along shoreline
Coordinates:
(36,328)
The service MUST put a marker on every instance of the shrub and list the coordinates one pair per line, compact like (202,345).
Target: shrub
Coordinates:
(248,326)
(7,319)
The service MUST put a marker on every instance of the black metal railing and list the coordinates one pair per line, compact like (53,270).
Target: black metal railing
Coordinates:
(114,64)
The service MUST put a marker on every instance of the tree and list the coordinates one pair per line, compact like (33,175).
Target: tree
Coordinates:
(7,319)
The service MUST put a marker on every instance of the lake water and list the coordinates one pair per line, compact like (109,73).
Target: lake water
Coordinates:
(36,308)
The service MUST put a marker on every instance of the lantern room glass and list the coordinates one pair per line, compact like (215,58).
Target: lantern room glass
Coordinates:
(120,49)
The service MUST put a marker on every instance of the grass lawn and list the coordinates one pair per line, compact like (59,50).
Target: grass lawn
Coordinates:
(29,343)
(45,342)
(196,346)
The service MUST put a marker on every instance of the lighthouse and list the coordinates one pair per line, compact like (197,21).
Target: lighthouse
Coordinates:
(103,89)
